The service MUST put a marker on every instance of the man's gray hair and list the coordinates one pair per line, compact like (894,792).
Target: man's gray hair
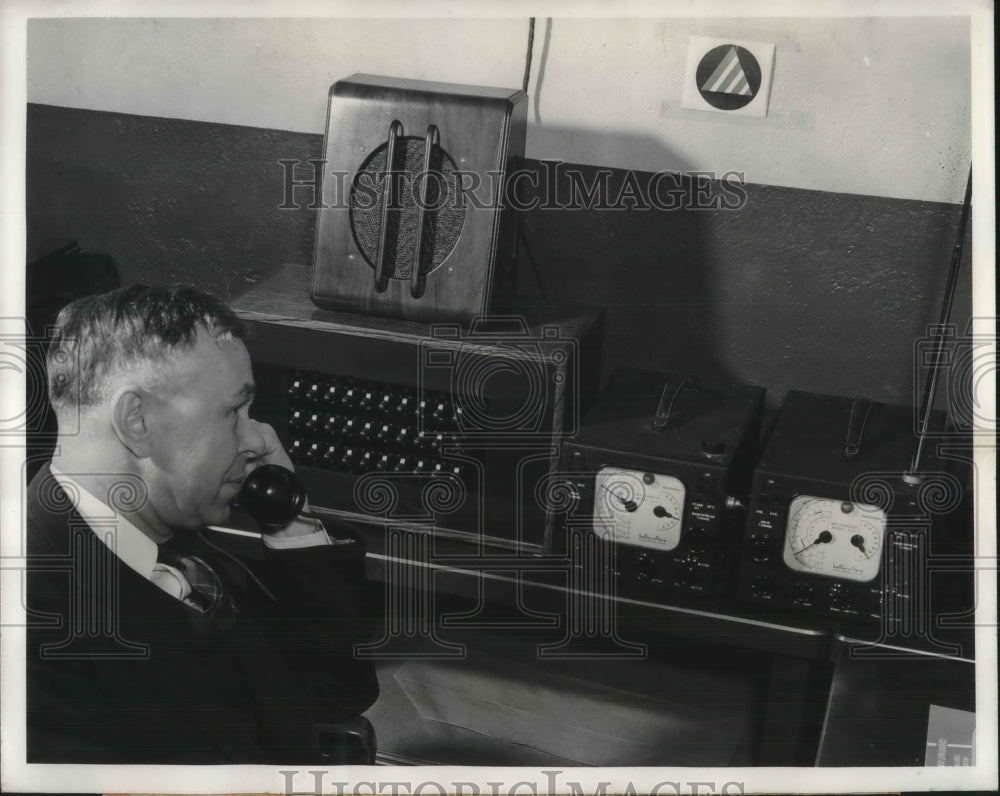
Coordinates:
(96,336)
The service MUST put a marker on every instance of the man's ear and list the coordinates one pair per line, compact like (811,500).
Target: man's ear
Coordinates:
(129,417)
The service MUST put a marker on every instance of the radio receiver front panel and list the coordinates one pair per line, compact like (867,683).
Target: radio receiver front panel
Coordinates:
(835,528)
(654,481)
(413,222)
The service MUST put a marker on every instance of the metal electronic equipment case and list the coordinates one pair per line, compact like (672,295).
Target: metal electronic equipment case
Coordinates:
(433,427)
(654,481)
(835,527)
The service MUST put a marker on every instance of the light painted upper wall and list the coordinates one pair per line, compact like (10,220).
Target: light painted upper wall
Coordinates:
(876,106)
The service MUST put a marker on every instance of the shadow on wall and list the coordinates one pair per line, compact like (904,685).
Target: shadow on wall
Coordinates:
(635,244)
(780,287)
(171,200)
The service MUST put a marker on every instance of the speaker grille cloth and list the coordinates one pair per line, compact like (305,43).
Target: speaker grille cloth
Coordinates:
(443,218)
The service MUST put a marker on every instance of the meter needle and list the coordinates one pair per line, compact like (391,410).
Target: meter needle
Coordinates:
(824,538)
(661,512)
(628,505)
(859,542)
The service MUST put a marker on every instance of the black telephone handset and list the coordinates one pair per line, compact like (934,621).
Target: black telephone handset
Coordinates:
(272,495)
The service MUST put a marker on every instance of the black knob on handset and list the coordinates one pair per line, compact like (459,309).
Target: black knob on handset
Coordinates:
(272,495)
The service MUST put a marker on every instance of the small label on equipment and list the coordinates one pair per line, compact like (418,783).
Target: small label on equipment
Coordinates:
(951,737)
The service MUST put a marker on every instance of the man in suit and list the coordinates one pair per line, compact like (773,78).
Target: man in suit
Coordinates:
(147,642)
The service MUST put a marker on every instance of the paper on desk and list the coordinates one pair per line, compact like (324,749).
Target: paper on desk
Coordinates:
(571,718)
(951,737)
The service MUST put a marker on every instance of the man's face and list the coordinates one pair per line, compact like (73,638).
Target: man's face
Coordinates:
(202,436)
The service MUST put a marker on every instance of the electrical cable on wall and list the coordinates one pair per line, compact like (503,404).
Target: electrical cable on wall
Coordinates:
(520,218)
(527,59)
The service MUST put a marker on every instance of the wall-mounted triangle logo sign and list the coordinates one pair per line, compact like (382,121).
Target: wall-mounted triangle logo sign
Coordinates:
(728,76)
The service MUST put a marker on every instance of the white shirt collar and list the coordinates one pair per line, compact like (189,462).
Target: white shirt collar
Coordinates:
(136,550)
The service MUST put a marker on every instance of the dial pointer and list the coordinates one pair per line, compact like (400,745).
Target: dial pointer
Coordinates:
(628,505)
(824,538)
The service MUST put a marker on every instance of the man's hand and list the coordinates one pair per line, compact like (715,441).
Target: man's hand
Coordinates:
(273,453)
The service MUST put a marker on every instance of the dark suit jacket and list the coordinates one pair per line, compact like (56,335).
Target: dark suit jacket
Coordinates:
(118,671)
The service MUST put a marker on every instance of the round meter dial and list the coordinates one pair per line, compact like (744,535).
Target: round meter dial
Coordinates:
(836,538)
(638,508)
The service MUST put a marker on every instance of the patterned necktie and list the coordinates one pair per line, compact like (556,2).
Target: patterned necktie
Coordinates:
(207,596)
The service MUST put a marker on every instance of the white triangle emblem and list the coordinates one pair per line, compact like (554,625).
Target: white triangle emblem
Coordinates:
(728,77)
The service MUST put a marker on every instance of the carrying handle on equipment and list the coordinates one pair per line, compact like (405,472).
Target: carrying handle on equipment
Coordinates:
(417,280)
(856,427)
(671,391)
(381,278)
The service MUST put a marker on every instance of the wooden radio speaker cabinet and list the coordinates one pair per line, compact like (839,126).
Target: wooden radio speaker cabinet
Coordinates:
(415,221)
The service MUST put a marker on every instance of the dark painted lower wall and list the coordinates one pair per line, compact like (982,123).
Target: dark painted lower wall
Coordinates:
(794,289)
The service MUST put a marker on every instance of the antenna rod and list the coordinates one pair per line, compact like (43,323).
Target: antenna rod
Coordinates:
(930,386)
